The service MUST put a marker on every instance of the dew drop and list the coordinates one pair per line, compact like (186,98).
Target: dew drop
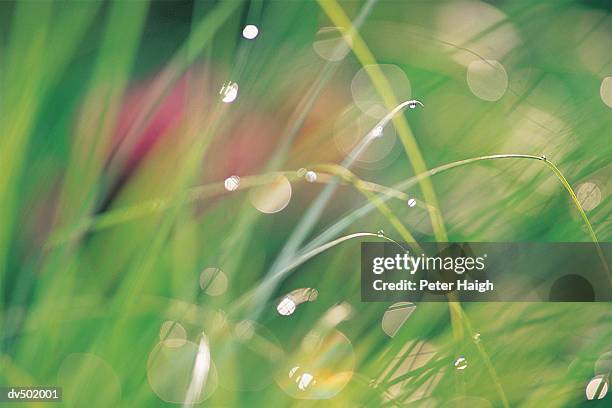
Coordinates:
(380,233)
(231,183)
(310,176)
(461,363)
(412,105)
(229,92)
(286,306)
(293,299)
(250,31)
(411,202)
(476,338)
(597,388)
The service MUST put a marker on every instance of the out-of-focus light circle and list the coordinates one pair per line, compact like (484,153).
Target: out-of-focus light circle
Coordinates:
(366,96)
(170,372)
(229,92)
(213,281)
(589,195)
(83,375)
(272,197)
(478,26)
(250,31)
(603,365)
(487,79)
(245,330)
(597,388)
(232,183)
(350,129)
(330,44)
(605,91)
(395,317)
(172,334)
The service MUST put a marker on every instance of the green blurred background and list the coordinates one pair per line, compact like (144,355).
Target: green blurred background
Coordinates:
(157,227)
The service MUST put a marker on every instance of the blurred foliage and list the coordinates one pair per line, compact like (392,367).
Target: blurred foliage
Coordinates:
(114,145)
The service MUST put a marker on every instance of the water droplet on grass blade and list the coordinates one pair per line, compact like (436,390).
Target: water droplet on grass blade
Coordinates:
(293,299)
(232,183)
(395,317)
(172,334)
(286,306)
(250,31)
(487,79)
(461,363)
(411,202)
(476,338)
(213,281)
(597,388)
(310,176)
(229,92)
(380,233)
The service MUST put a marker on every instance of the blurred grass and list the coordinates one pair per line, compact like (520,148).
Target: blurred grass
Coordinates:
(97,251)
